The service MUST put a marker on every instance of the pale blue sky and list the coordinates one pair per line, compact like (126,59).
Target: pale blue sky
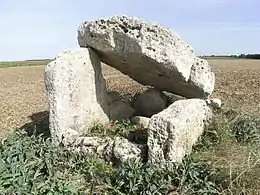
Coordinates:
(33,29)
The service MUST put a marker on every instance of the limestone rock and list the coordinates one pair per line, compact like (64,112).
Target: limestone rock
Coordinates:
(149,102)
(171,98)
(201,76)
(120,149)
(124,150)
(173,132)
(76,93)
(214,103)
(90,145)
(119,110)
(148,53)
(116,150)
(141,122)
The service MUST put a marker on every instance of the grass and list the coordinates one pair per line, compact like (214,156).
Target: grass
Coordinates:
(24,63)
(123,128)
(231,145)
(225,161)
(31,165)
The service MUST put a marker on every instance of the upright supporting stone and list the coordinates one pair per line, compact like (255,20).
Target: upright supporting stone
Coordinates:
(173,132)
(76,92)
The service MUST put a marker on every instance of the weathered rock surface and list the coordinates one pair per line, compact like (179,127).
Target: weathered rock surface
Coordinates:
(201,76)
(116,150)
(141,122)
(171,98)
(124,150)
(173,132)
(148,53)
(76,93)
(119,110)
(214,103)
(149,102)
(90,145)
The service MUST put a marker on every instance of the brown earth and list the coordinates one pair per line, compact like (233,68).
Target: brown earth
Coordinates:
(22,93)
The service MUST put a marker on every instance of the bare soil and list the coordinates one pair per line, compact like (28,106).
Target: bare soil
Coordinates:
(23,99)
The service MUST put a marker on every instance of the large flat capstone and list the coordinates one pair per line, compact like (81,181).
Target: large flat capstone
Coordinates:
(76,93)
(148,53)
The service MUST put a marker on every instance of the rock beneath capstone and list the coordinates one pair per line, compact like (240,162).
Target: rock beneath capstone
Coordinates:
(119,110)
(76,93)
(140,121)
(148,53)
(214,103)
(113,96)
(149,102)
(173,132)
(171,98)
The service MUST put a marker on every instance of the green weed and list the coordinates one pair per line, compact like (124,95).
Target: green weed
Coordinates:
(225,161)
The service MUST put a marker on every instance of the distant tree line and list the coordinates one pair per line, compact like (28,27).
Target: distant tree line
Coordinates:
(247,56)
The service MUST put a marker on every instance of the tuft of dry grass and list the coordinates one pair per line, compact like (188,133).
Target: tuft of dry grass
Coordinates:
(239,167)
(238,163)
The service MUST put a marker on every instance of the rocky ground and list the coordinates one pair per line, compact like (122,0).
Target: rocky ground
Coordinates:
(22,93)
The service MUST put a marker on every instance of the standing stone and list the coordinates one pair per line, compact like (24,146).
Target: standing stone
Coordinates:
(173,132)
(76,92)
(149,102)
(148,53)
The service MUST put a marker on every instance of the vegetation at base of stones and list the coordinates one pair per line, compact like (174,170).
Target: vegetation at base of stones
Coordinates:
(231,144)
(123,128)
(242,128)
(247,129)
(190,177)
(29,164)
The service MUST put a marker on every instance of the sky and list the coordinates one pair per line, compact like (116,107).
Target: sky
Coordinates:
(40,29)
